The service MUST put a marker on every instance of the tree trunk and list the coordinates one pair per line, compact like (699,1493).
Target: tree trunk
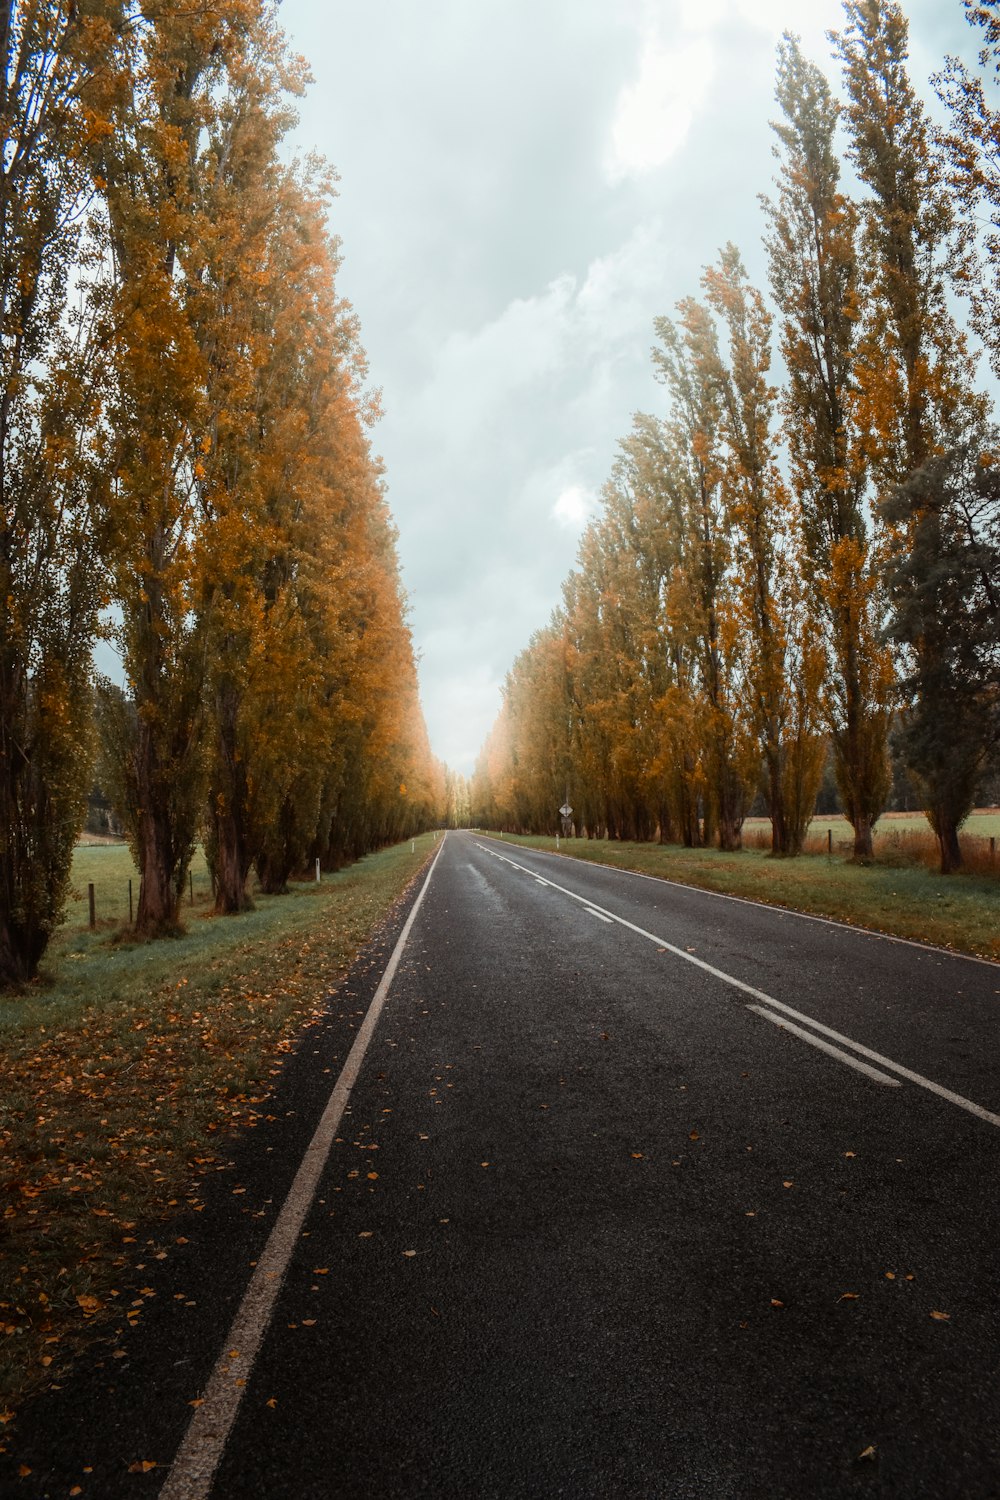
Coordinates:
(276,860)
(227,800)
(949,847)
(156,914)
(231,867)
(21,950)
(864,850)
(776,806)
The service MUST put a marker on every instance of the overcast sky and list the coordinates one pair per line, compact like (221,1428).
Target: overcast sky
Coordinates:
(525,185)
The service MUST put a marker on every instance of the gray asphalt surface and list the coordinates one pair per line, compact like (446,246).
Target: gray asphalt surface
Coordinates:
(594,1227)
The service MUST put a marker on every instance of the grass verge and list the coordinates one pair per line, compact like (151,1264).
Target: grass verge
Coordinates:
(125,1067)
(959,912)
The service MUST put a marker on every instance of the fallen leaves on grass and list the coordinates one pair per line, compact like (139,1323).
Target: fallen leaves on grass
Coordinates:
(113,1116)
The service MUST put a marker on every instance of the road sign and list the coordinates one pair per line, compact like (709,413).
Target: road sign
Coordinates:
(566,810)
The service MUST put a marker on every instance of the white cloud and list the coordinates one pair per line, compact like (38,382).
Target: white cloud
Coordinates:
(656,111)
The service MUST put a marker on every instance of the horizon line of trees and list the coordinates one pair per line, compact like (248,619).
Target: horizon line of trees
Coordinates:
(185,471)
(782,573)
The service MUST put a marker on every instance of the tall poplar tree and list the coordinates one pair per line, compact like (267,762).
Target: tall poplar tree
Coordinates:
(917,397)
(687,361)
(814,274)
(174,62)
(781,659)
(53,106)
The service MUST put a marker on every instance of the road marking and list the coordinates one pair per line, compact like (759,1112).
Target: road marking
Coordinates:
(817,1041)
(748,989)
(772,906)
(593,912)
(198,1457)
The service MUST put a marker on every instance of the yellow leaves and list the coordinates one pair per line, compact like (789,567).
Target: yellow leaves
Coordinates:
(142,1466)
(941,1317)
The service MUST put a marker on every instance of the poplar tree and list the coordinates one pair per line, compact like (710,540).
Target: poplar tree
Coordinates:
(814,275)
(174,67)
(781,658)
(687,361)
(916,386)
(251,284)
(53,105)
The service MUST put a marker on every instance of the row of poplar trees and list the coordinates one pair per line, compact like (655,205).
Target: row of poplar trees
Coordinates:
(186,469)
(780,572)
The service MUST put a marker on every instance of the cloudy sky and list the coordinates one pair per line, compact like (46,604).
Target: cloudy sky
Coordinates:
(525,185)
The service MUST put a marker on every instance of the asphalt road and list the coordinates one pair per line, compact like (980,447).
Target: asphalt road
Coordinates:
(600,1218)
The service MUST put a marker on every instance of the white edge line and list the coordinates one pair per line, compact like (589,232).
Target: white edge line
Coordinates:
(788,911)
(816,1041)
(199,1454)
(788,1010)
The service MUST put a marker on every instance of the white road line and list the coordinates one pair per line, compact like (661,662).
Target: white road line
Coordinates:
(748,989)
(816,1041)
(198,1457)
(773,906)
(591,912)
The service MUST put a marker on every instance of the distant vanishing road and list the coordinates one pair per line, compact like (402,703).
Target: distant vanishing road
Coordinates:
(637,1191)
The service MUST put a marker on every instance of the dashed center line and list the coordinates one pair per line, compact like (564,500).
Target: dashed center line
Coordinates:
(773,1006)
